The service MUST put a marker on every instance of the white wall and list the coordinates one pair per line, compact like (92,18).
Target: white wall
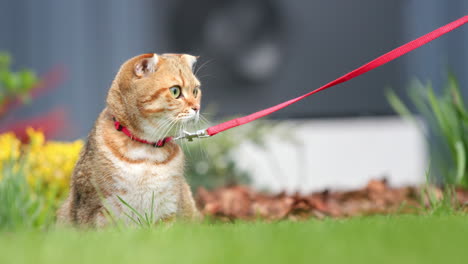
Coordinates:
(338,154)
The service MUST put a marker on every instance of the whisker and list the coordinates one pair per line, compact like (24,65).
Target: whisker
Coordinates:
(168,128)
(204,120)
(166,122)
(202,148)
(187,146)
(203,65)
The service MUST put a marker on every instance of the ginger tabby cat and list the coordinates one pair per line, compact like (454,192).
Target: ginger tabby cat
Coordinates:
(150,95)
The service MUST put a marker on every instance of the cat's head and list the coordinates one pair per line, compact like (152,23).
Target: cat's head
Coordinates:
(154,94)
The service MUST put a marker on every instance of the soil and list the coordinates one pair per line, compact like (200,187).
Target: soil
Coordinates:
(242,202)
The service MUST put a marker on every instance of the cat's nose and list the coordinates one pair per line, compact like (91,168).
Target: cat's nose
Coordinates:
(196,108)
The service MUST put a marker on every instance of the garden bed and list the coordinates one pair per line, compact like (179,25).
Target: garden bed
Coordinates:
(242,202)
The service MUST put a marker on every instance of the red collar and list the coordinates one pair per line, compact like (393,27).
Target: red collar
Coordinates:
(157,144)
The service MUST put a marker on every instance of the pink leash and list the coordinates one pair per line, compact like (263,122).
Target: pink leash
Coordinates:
(389,56)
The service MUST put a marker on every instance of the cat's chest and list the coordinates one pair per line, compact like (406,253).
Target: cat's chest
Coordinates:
(148,190)
(159,196)
(143,167)
(138,179)
(146,186)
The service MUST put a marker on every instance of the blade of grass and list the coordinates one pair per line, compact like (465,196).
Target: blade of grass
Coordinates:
(108,212)
(131,208)
(435,105)
(398,105)
(453,88)
(152,208)
(461,161)
(147,221)
(131,218)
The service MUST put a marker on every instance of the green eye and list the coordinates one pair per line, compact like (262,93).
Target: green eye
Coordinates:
(175,91)
(195,92)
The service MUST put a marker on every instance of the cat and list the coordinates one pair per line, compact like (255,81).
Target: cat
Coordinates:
(128,153)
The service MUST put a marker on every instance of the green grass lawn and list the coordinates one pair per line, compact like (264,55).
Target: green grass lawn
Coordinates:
(396,239)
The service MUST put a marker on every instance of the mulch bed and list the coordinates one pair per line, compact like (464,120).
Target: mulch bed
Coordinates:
(242,202)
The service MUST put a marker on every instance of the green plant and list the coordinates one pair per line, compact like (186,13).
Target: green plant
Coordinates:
(14,85)
(212,163)
(373,239)
(447,120)
(22,205)
(34,178)
(140,219)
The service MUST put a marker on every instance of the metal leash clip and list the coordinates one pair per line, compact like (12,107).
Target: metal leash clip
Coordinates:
(190,136)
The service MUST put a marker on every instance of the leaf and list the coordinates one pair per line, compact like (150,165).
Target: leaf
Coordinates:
(461,161)
(152,208)
(11,83)
(443,123)
(27,79)
(131,208)
(5,60)
(453,88)
(398,105)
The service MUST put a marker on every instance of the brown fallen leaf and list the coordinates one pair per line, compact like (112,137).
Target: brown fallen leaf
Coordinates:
(242,202)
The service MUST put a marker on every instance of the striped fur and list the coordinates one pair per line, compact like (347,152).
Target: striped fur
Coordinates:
(112,165)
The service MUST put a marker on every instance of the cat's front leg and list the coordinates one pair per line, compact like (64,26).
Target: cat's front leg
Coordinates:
(187,206)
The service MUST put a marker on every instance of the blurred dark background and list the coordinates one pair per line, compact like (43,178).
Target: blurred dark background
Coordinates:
(254,53)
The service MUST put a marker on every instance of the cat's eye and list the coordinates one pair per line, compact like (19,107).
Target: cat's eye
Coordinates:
(175,91)
(196,92)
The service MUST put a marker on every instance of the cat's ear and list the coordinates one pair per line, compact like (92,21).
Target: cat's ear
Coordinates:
(146,64)
(190,60)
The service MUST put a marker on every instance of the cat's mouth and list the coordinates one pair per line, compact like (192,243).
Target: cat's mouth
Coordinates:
(191,116)
(175,125)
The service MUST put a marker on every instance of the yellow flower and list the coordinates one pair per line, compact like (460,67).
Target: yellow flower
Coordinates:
(36,138)
(47,164)
(9,149)
(51,163)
